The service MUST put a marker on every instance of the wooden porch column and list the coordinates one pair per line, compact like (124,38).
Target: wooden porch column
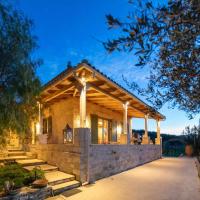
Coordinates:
(83,105)
(39,123)
(130,131)
(33,132)
(145,138)
(124,139)
(158,132)
(125,106)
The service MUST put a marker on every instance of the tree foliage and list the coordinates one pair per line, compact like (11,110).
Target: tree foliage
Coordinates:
(166,39)
(19,84)
(192,137)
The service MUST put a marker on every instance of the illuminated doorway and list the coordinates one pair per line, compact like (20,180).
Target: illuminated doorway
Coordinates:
(103,131)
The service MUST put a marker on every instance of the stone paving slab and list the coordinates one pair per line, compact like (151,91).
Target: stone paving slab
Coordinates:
(164,179)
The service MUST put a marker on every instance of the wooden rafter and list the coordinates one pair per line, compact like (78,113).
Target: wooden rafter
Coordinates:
(111,95)
(59,92)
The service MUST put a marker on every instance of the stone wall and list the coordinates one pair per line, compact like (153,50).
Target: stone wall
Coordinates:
(106,160)
(197,162)
(65,156)
(68,112)
(69,158)
(62,114)
(89,162)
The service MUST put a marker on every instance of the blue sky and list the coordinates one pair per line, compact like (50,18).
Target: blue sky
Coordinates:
(69,30)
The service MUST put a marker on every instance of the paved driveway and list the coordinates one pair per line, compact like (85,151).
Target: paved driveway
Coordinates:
(165,179)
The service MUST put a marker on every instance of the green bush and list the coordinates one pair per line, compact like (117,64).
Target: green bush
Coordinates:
(19,176)
(36,173)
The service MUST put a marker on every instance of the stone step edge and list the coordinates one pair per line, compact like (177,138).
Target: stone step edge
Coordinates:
(16,154)
(60,181)
(14,150)
(53,168)
(13,158)
(33,164)
(59,188)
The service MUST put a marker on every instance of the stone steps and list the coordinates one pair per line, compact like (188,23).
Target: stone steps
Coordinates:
(62,187)
(31,162)
(14,149)
(45,167)
(58,177)
(16,153)
(16,158)
(59,181)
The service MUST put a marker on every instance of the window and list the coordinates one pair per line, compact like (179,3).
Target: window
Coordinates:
(104,131)
(114,131)
(47,125)
(45,129)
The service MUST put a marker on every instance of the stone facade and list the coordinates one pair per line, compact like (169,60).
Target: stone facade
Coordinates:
(68,112)
(106,160)
(86,161)
(89,162)
(197,162)
(64,156)
(69,158)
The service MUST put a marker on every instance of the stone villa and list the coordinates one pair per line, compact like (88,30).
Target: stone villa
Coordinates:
(84,126)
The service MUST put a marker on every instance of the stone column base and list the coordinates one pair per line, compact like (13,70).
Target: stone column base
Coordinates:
(157,141)
(145,139)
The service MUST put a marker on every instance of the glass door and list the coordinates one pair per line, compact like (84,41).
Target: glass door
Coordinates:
(102,131)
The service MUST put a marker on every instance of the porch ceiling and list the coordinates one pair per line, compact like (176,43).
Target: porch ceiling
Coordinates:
(100,90)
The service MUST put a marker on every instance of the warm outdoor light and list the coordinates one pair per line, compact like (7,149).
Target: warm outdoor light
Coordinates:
(119,129)
(37,128)
(77,121)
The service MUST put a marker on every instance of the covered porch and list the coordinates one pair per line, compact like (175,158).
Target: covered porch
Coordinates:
(98,103)
(84,125)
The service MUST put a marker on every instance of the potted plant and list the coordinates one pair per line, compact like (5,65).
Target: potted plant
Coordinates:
(39,178)
(189,150)
(40,183)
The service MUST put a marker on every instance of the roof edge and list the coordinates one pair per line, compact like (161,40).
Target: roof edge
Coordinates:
(88,65)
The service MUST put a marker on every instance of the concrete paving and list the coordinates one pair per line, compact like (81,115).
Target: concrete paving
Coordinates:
(165,179)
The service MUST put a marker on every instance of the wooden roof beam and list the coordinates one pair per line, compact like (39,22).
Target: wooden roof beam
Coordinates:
(59,92)
(112,96)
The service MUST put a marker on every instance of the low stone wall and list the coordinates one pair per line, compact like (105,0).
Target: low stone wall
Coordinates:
(69,158)
(27,193)
(65,156)
(106,160)
(90,162)
(197,162)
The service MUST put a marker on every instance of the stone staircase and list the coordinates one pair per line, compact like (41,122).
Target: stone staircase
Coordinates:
(59,181)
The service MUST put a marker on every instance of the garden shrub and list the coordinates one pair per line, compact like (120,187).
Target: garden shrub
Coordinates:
(18,175)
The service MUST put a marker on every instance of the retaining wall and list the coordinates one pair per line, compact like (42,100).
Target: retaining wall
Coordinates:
(90,162)
(106,160)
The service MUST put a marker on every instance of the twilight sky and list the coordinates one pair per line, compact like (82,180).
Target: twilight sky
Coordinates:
(70,30)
